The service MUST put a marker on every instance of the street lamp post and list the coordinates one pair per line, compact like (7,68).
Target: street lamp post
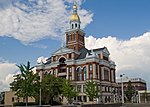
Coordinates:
(40,88)
(40,73)
(122,91)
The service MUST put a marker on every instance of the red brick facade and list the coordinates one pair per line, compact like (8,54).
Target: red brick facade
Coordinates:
(79,64)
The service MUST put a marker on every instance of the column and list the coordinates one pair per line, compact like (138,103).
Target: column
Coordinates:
(56,58)
(109,74)
(67,56)
(98,72)
(102,73)
(87,99)
(67,77)
(56,72)
(94,71)
(87,71)
(72,56)
(73,73)
(139,98)
(52,58)
(101,55)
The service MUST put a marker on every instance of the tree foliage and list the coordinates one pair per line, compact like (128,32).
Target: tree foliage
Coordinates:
(68,91)
(91,89)
(51,87)
(26,84)
(130,91)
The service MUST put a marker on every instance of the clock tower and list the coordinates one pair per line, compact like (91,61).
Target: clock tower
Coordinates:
(75,36)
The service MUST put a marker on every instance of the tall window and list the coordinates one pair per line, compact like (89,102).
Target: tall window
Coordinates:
(69,38)
(91,67)
(84,87)
(70,77)
(91,76)
(69,55)
(79,88)
(13,99)
(84,70)
(70,69)
(79,74)
(106,74)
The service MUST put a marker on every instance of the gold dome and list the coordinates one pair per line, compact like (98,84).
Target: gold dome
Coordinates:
(75,17)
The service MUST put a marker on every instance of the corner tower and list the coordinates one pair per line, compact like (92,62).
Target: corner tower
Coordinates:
(75,36)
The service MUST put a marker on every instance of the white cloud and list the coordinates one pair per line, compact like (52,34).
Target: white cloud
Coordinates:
(6,74)
(42,59)
(32,20)
(132,56)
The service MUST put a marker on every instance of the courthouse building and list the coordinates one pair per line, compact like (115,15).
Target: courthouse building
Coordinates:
(78,64)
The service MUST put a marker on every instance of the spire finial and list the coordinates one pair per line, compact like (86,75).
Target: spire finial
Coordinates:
(75,6)
(74,2)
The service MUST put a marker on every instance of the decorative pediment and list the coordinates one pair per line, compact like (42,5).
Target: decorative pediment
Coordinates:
(64,50)
(105,50)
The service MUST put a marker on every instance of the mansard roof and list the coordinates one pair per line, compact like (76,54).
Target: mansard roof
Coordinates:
(83,52)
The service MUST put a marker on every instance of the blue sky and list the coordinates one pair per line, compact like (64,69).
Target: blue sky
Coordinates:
(33,29)
(121,18)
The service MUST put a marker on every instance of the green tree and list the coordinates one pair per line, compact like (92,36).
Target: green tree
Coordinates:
(68,91)
(91,89)
(130,91)
(26,84)
(51,88)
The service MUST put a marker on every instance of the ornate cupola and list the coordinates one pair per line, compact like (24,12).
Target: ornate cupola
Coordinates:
(75,36)
(75,19)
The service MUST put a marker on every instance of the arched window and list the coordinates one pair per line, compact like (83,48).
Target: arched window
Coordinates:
(62,60)
(85,76)
(75,25)
(72,26)
(79,74)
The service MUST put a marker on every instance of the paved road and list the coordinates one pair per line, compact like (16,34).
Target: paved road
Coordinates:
(138,105)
